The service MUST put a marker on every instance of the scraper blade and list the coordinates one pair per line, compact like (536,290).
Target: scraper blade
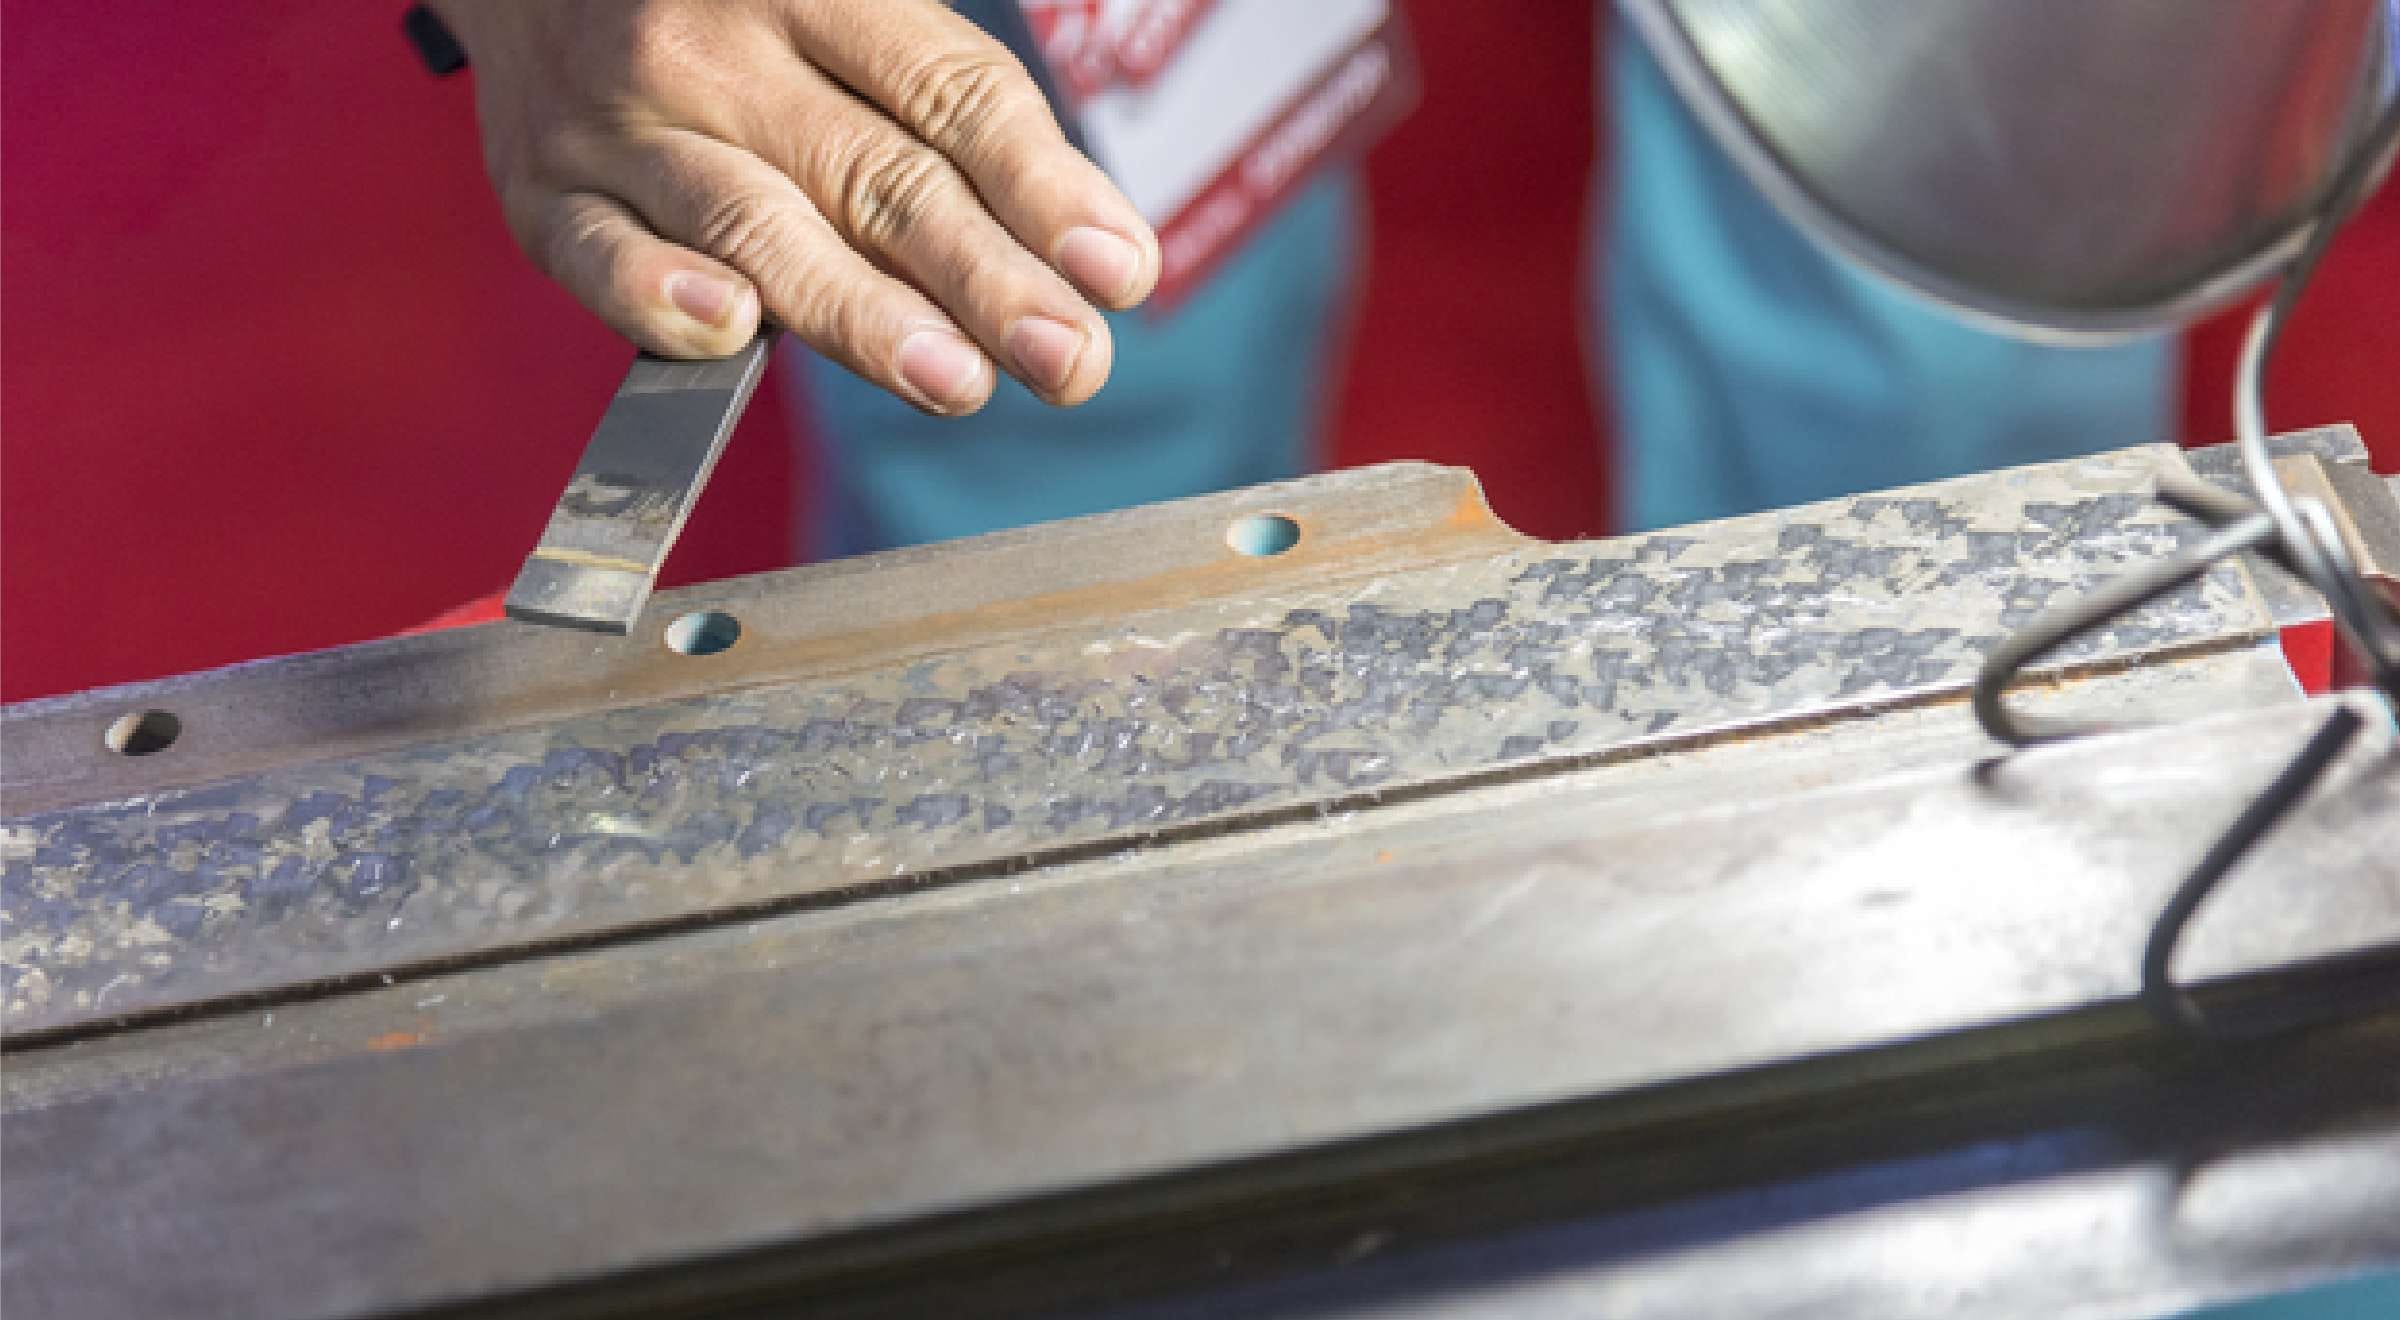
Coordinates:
(636,485)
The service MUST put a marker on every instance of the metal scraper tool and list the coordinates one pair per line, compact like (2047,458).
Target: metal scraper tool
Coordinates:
(636,485)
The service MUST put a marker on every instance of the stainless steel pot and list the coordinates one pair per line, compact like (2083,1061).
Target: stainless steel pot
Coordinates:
(2066,168)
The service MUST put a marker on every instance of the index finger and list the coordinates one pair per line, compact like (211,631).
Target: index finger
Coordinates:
(967,97)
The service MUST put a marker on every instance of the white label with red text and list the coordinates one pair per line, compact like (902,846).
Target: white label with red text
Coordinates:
(1211,114)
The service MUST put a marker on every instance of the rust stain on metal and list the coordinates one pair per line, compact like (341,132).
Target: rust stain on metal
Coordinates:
(1473,513)
(1308,563)
(1361,524)
(961,738)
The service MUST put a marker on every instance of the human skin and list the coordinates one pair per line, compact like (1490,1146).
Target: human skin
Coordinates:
(878,177)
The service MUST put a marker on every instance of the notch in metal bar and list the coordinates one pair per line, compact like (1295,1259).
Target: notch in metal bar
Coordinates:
(637,483)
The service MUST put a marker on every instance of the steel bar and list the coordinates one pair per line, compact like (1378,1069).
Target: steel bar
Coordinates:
(1004,746)
(638,480)
(1420,915)
(814,1082)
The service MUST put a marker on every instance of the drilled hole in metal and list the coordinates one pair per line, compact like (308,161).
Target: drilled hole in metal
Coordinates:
(1263,534)
(703,632)
(143,732)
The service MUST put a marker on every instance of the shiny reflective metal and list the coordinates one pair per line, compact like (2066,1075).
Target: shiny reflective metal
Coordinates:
(965,710)
(637,483)
(1305,1044)
(2062,167)
(1091,911)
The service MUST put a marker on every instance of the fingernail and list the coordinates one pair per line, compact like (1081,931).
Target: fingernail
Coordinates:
(1045,352)
(1104,264)
(704,298)
(945,370)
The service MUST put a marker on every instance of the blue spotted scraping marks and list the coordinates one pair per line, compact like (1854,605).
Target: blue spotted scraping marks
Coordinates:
(1196,714)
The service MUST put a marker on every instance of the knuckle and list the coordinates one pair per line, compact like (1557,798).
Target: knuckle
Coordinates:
(840,315)
(741,228)
(758,236)
(1027,168)
(831,320)
(958,99)
(853,320)
(982,281)
(886,194)
(576,246)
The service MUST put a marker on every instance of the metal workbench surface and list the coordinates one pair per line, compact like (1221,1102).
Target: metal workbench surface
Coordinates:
(1032,736)
(1096,911)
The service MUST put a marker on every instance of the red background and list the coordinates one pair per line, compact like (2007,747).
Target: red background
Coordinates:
(274,378)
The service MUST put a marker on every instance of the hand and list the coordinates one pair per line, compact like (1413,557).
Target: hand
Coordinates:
(883,177)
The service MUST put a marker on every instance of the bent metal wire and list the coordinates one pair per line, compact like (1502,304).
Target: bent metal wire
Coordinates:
(2296,535)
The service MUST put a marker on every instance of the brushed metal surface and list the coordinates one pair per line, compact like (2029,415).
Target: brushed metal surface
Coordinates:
(2058,166)
(634,487)
(1096,911)
(825,1086)
(1011,750)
